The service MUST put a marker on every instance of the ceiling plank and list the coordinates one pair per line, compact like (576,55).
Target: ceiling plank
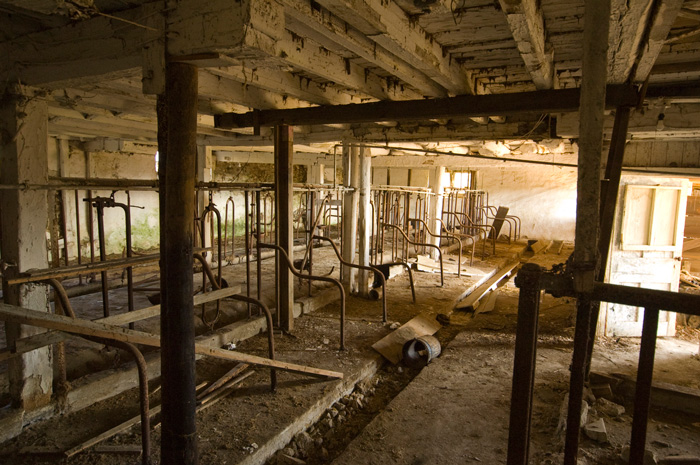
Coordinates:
(96,47)
(388,25)
(337,31)
(526,22)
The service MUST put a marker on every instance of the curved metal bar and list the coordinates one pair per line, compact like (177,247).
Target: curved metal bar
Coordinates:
(316,278)
(475,226)
(361,267)
(216,284)
(451,236)
(270,335)
(233,227)
(442,274)
(62,297)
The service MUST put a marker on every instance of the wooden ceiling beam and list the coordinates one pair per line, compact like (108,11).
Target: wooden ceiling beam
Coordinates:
(660,23)
(526,22)
(544,101)
(388,25)
(315,59)
(338,32)
(286,83)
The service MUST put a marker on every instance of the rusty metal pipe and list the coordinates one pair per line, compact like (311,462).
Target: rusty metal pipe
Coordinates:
(270,334)
(442,276)
(448,236)
(65,304)
(376,271)
(316,278)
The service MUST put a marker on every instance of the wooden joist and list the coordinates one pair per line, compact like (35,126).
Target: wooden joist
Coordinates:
(92,328)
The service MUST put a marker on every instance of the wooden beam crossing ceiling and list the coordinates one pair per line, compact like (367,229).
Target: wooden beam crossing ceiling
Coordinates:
(543,101)
(526,22)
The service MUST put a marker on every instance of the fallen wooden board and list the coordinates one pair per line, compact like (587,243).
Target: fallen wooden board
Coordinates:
(539,246)
(38,341)
(391,346)
(153,411)
(93,328)
(233,372)
(470,300)
(487,303)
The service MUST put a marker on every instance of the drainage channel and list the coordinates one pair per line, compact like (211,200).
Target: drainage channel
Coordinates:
(344,419)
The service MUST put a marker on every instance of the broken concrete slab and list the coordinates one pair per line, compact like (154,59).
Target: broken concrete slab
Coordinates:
(597,431)
(649,456)
(609,408)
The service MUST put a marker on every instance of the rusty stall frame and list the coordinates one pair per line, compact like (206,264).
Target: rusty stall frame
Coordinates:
(481,228)
(376,271)
(409,241)
(334,281)
(532,280)
(65,305)
(450,236)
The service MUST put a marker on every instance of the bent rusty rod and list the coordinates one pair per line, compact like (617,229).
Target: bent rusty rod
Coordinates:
(405,236)
(448,236)
(270,335)
(315,278)
(376,271)
(62,297)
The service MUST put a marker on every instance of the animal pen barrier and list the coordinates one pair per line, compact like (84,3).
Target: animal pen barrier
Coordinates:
(532,280)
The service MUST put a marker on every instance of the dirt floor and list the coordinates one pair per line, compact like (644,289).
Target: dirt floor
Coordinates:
(453,411)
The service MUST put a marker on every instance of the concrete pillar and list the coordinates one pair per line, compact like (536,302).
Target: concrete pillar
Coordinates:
(23,157)
(315,174)
(435,207)
(284,217)
(365,218)
(351,161)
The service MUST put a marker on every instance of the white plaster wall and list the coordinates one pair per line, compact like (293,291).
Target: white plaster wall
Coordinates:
(544,197)
(144,222)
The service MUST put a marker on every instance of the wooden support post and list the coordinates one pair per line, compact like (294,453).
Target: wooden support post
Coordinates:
(179,441)
(435,212)
(283,215)
(350,204)
(365,219)
(591,113)
(23,156)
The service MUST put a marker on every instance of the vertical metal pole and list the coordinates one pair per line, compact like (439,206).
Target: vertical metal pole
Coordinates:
(528,280)
(258,250)
(610,188)
(247,246)
(179,439)
(578,378)
(283,224)
(311,221)
(103,257)
(642,393)
(77,234)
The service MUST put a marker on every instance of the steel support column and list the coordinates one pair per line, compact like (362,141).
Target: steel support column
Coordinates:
(283,217)
(528,280)
(179,440)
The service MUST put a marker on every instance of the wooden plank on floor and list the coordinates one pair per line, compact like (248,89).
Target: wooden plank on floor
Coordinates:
(37,341)
(467,304)
(93,328)
(391,346)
